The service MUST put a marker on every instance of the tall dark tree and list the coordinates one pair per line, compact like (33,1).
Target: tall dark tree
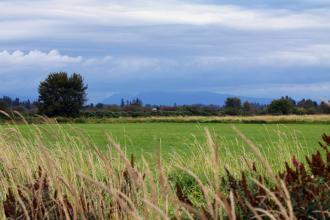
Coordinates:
(62,95)
(137,102)
(8,101)
(290,100)
(122,103)
(307,106)
(233,106)
(248,108)
(282,106)
(233,102)
(16,102)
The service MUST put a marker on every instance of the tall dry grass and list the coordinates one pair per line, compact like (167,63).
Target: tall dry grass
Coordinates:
(51,174)
(280,119)
(212,119)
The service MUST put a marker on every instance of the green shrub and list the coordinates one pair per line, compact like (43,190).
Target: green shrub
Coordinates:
(308,187)
(80,120)
(186,186)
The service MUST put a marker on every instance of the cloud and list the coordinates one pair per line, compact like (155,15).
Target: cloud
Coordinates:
(97,61)
(311,55)
(77,19)
(262,48)
(35,58)
(318,91)
(52,59)
(314,55)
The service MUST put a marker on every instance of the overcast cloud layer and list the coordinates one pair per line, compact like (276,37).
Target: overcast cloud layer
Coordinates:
(255,49)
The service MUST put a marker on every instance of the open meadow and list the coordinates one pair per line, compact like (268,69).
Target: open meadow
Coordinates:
(144,138)
(177,171)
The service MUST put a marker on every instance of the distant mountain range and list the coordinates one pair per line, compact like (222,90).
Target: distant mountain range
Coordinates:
(181,98)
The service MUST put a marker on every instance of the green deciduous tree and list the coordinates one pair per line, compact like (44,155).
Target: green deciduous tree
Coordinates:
(282,106)
(307,106)
(62,95)
(233,106)
(248,108)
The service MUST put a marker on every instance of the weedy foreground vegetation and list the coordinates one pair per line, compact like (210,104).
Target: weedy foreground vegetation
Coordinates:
(69,177)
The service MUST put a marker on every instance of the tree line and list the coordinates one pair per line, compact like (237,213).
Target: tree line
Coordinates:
(65,95)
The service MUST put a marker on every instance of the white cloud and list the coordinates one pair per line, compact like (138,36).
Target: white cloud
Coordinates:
(97,61)
(73,18)
(138,64)
(19,59)
(106,66)
(315,55)
(318,90)
(187,72)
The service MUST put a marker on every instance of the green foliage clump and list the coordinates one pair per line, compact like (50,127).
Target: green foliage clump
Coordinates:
(186,186)
(305,188)
(233,106)
(282,106)
(62,95)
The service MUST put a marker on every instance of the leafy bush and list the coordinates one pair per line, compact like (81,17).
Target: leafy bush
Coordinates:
(37,201)
(186,187)
(308,190)
(282,106)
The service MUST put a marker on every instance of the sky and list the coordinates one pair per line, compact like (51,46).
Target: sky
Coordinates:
(255,48)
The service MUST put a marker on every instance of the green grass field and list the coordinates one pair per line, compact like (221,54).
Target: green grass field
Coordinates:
(182,138)
(187,141)
(146,137)
(141,138)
